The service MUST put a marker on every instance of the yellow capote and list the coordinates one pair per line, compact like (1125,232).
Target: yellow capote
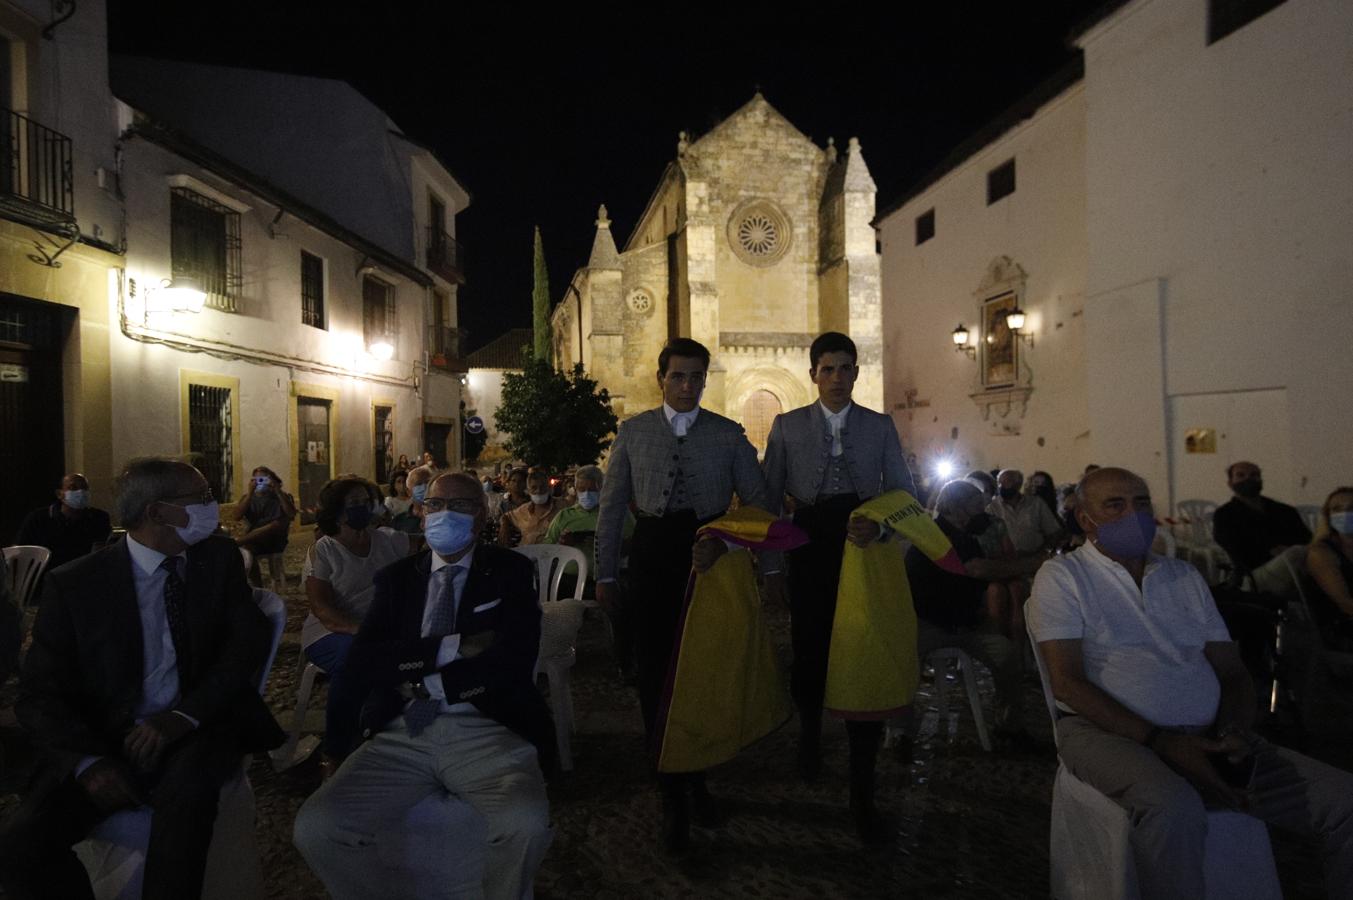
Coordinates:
(872,670)
(725,689)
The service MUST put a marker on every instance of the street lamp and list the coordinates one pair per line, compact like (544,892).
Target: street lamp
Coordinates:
(1014,320)
(960,337)
(183,294)
(381,349)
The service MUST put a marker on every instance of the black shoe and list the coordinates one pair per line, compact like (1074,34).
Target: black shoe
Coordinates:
(707,812)
(676,825)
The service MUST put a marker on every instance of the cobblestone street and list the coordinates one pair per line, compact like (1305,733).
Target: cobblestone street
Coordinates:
(971,823)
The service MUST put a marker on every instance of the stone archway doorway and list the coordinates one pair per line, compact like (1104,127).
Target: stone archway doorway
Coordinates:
(758,414)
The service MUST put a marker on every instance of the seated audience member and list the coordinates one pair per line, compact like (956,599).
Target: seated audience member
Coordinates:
(338,576)
(950,608)
(267,510)
(516,490)
(1329,561)
(70,527)
(446,657)
(1066,514)
(1040,485)
(989,530)
(139,688)
(527,523)
(399,505)
(1032,524)
(1004,596)
(11,636)
(1157,704)
(1254,530)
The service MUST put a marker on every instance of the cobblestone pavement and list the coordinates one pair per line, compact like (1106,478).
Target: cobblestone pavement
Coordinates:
(970,823)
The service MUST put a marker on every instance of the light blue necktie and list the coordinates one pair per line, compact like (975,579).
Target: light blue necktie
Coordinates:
(420,713)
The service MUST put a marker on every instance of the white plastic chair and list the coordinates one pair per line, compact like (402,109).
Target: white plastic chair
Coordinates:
(1310,515)
(559,624)
(299,745)
(941,659)
(1200,542)
(114,854)
(24,565)
(1090,849)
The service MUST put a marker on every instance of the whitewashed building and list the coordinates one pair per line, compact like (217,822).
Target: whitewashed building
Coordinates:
(1176,224)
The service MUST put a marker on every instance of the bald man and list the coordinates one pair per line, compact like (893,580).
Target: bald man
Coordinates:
(1156,706)
(70,527)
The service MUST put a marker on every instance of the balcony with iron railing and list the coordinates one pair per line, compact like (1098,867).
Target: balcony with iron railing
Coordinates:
(446,255)
(36,181)
(445,348)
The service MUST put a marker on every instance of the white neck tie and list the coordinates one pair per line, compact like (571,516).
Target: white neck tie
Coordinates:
(679,424)
(836,435)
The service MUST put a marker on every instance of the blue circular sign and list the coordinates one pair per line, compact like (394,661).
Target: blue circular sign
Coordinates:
(474,425)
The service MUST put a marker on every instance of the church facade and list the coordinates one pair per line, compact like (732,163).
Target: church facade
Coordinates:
(754,241)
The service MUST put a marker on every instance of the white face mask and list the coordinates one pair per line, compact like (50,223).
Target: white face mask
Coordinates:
(589,499)
(77,499)
(203,520)
(540,499)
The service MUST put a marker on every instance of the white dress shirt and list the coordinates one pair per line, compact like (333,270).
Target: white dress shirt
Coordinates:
(450,648)
(835,422)
(680,421)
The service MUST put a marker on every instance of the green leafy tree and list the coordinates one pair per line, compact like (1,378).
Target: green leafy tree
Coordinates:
(554,419)
(540,302)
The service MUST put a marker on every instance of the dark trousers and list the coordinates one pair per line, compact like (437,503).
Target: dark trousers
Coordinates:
(36,859)
(814,574)
(660,568)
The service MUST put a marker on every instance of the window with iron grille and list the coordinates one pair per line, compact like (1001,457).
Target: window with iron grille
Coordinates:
(312,290)
(204,243)
(209,437)
(378,309)
(1001,181)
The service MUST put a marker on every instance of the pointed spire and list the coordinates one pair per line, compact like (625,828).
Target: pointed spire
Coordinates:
(857,172)
(830,152)
(604,255)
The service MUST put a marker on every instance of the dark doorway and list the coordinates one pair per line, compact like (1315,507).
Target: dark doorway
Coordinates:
(384,451)
(313,452)
(435,439)
(32,449)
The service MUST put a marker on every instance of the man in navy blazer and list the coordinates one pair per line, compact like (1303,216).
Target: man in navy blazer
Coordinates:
(445,659)
(830,457)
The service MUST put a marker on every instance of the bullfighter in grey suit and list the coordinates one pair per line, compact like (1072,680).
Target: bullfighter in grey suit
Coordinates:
(829,457)
(680,466)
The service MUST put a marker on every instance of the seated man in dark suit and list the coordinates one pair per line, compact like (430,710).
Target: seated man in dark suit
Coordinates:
(445,658)
(139,688)
(1254,530)
(70,527)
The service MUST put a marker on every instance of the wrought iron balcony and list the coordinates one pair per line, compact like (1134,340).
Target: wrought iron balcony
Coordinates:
(446,256)
(35,169)
(445,349)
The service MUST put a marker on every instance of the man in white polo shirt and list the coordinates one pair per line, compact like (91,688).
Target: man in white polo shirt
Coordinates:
(1157,704)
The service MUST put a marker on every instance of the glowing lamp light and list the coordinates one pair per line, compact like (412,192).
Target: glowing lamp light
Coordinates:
(1015,319)
(381,349)
(183,294)
(944,468)
(960,335)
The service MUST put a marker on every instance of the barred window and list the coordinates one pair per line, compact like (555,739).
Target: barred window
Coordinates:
(378,309)
(312,290)
(204,244)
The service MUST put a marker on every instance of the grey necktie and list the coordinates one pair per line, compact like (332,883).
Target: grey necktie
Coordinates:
(420,713)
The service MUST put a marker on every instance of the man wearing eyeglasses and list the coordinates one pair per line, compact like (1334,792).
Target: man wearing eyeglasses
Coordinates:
(680,465)
(445,657)
(140,688)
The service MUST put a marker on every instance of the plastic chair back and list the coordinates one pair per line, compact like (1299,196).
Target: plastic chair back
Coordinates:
(1199,513)
(551,560)
(24,564)
(275,608)
(1310,515)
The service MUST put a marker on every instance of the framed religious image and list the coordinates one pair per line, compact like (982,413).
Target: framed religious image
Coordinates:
(998,342)
(1200,440)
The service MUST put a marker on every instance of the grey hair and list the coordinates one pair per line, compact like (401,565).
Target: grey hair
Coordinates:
(146,480)
(591,473)
(418,475)
(1016,472)
(954,494)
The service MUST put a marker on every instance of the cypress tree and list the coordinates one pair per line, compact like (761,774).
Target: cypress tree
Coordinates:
(540,303)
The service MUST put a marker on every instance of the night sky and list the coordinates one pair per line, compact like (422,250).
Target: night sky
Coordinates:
(542,118)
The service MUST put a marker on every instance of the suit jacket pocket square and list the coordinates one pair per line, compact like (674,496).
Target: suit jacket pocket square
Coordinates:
(485,607)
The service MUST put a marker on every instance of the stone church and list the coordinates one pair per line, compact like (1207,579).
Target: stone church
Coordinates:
(754,241)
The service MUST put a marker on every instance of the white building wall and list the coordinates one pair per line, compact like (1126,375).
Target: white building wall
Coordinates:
(147,395)
(1220,205)
(929,289)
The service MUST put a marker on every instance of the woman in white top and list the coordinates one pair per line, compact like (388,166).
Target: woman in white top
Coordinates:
(400,502)
(338,583)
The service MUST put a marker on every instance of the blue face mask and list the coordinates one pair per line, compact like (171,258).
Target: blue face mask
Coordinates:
(357,517)
(419,492)
(589,499)
(1129,537)
(77,499)
(1342,521)
(448,532)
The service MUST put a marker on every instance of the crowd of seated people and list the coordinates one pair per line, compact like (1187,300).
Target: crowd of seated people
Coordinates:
(1147,728)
